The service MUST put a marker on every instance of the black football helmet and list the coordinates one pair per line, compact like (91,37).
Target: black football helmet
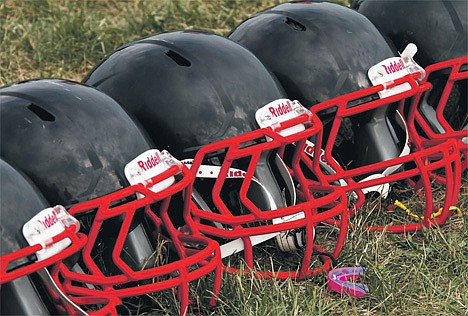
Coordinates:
(21,291)
(323,51)
(75,142)
(440,31)
(319,51)
(196,93)
(438,28)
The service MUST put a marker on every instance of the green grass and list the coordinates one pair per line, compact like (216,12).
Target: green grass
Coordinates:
(66,38)
(420,273)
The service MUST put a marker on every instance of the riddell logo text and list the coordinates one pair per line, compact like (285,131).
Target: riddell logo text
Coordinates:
(394,67)
(49,220)
(309,149)
(236,174)
(281,109)
(151,162)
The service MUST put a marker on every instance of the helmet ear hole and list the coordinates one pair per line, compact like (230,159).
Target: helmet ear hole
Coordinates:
(294,24)
(178,59)
(41,113)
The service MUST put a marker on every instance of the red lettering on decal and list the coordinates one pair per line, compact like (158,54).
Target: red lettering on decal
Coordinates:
(281,109)
(272,110)
(394,67)
(309,149)
(49,220)
(150,162)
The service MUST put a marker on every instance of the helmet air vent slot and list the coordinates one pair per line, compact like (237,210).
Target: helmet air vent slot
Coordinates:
(41,113)
(179,59)
(295,25)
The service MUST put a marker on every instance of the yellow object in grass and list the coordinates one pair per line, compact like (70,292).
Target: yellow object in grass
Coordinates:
(454,209)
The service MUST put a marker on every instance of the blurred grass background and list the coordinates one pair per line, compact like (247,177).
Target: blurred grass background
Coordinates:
(422,273)
(65,38)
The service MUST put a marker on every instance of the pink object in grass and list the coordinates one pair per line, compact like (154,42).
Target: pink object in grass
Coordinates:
(342,280)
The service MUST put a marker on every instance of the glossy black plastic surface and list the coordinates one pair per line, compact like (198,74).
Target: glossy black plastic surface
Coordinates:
(187,88)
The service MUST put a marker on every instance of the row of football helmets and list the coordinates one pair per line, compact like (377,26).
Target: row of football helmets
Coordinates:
(184,153)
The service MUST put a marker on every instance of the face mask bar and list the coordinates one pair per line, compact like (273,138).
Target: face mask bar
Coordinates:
(420,168)
(77,240)
(245,222)
(96,291)
(427,122)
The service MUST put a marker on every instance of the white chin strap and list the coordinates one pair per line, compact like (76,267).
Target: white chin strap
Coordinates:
(287,240)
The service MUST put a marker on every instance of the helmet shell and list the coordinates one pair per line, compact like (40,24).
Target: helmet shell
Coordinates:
(20,200)
(187,88)
(440,31)
(317,51)
(438,28)
(70,139)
